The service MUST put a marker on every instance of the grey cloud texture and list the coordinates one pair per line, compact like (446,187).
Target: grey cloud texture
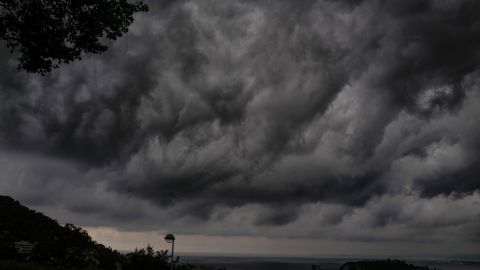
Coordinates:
(338,119)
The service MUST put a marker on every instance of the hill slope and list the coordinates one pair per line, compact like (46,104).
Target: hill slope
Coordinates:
(28,235)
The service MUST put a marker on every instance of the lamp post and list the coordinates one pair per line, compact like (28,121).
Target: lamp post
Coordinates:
(170,239)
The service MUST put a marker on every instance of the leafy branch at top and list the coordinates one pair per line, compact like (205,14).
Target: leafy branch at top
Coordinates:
(46,33)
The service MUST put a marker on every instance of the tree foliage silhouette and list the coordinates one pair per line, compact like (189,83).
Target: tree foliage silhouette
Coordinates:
(46,33)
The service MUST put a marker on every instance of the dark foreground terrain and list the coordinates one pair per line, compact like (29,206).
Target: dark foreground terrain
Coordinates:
(30,240)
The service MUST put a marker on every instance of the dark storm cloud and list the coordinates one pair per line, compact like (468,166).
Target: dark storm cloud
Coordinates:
(221,111)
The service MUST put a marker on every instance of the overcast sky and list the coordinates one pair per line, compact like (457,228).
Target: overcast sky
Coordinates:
(266,127)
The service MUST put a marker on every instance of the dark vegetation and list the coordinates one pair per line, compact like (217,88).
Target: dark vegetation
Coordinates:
(46,33)
(69,247)
(64,247)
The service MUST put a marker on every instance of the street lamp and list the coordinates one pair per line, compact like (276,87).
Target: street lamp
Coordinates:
(170,239)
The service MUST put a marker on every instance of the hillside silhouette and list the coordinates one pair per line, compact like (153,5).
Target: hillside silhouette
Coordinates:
(31,240)
(44,241)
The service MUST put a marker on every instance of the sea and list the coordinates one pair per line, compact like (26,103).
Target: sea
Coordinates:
(289,263)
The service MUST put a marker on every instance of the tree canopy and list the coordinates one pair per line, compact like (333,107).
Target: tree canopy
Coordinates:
(46,33)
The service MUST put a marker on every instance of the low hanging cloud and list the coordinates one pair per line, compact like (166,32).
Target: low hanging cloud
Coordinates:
(273,118)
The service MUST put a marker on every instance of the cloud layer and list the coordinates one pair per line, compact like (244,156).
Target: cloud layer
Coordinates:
(345,119)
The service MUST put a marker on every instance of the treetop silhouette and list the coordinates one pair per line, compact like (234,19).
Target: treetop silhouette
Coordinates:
(46,33)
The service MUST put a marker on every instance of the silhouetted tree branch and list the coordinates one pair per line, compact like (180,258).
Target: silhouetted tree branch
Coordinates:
(46,33)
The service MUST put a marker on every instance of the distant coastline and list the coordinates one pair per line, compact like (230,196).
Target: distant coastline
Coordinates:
(259,262)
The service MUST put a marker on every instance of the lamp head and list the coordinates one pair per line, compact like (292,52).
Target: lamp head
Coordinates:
(169,238)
